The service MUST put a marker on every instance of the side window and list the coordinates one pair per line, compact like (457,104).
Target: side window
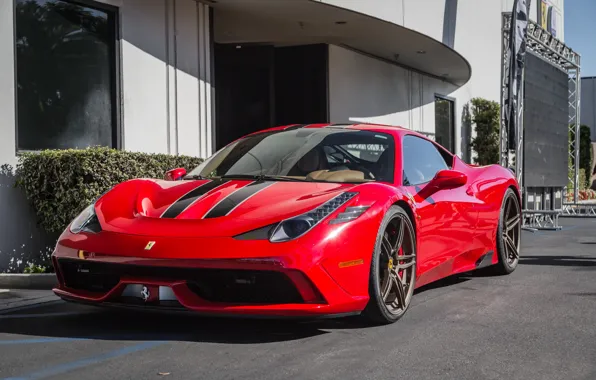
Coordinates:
(421,160)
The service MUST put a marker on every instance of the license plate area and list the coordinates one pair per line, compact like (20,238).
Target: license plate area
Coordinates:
(149,293)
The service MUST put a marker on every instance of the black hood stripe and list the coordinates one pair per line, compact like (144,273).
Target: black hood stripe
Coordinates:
(188,199)
(228,204)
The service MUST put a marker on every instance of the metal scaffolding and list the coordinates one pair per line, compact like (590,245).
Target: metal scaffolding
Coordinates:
(545,45)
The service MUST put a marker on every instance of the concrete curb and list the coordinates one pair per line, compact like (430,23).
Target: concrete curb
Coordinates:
(37,281)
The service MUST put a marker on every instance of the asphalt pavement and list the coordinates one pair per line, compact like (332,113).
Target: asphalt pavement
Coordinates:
(538,323)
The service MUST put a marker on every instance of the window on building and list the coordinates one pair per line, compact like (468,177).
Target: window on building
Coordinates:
(421,160)
(445,123)
(66,75)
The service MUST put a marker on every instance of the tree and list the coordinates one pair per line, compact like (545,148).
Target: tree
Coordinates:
(485,118)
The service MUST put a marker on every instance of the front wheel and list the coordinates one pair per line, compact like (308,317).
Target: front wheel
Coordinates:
(393,268)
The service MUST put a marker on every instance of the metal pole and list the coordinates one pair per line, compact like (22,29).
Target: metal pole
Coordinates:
(577,132)
(503,133)
(519,155)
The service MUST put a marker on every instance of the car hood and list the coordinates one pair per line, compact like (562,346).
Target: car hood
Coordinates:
(209,208)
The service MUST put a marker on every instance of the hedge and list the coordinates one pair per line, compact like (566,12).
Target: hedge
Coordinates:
(61,183)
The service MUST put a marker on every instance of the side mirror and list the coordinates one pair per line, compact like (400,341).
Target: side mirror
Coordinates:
(444,180)
(175,174)
(449,179)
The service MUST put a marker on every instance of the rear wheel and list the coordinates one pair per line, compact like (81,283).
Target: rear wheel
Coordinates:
(509,234)
(393,268)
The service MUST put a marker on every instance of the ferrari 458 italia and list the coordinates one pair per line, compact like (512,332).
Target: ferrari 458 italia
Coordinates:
(294,221)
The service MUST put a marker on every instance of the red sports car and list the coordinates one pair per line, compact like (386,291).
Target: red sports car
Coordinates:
(295,221)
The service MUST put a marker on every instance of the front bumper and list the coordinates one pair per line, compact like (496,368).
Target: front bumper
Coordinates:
(251,286)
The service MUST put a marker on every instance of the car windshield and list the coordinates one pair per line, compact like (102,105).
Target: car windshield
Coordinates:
(307,154)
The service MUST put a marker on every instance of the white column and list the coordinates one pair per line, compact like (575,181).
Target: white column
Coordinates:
(206,124)
(171,75)
(7,84)
(189,79)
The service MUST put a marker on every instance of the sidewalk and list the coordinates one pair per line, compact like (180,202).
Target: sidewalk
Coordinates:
(14,299)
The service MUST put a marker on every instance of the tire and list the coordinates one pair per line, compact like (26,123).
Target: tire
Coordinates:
(385,272)
(509,238)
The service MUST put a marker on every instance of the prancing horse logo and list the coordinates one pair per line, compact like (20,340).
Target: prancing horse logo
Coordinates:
(145,293)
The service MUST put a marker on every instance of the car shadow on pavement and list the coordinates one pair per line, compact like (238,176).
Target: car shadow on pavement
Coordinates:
(73,321)
(88,322)
(443,283)
(580,262)
(103,324)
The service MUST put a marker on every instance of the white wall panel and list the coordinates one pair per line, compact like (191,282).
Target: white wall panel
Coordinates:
(425,16)
(166,76)
(389,10)
(144,75)
(187,77)
(364,89)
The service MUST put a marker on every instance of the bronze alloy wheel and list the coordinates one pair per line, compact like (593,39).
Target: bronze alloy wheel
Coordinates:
(393,268)
(397,269)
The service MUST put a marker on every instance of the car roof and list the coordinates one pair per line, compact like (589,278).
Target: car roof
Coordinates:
(392,129)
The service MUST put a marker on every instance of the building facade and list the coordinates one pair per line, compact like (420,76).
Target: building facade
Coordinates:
(187,76)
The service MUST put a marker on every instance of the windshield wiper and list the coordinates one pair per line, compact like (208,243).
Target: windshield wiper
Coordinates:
(196,176)
(262,177)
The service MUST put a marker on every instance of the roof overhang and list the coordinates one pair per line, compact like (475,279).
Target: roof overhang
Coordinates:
(292,22)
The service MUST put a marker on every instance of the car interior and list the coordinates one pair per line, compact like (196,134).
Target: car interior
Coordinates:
(333,163)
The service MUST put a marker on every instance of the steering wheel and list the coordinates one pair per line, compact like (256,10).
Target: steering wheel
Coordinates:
(352,166)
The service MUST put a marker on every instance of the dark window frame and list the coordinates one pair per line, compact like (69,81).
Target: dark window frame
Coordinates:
(115,70)
(453,121)
(447,156)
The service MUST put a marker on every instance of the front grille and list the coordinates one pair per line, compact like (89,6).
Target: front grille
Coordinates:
(214,285)
(245,287)
(88,276)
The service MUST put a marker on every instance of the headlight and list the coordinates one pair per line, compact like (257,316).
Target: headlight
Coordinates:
(292,228)
(299,225)
(85,219)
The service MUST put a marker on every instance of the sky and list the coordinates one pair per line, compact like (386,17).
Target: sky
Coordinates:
(580,32)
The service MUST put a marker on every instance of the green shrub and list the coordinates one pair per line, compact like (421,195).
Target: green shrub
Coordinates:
(32,268)
(61,183)
(582,180)
(486,116)
(585,153)
(585,157)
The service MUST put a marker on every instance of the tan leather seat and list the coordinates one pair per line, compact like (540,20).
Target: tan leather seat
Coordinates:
(338,176)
